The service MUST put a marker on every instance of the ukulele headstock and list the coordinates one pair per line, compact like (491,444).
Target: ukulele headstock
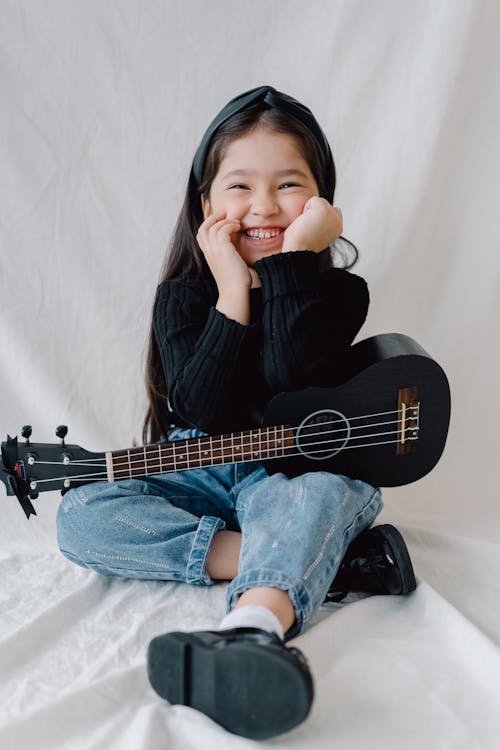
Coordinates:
(30,468)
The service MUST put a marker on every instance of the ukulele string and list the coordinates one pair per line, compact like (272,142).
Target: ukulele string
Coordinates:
(102,476)
(165,449)
(168,452)
(284,452)
(222,439)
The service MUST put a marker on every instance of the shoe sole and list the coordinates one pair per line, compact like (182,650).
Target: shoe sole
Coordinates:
(253,690)
(402,557)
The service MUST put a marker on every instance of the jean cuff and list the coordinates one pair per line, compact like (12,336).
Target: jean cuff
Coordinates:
(196,572)
(296,591)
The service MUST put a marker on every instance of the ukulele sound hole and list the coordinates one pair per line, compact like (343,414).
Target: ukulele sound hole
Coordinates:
(323,434)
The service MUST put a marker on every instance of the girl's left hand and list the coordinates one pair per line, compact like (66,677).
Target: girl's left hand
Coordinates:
(318,226)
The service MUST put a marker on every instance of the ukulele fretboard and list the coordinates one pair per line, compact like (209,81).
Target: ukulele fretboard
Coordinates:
(195,453)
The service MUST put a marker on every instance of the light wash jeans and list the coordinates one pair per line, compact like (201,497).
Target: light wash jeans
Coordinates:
(295,531)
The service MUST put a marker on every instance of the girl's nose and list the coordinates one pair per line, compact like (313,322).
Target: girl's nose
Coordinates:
(265,204)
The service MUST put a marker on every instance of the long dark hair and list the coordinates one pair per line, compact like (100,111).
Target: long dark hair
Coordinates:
(184,259)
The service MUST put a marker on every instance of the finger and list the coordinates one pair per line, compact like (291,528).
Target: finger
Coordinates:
(230,227)
(212,219)
(223,224)
(209,223)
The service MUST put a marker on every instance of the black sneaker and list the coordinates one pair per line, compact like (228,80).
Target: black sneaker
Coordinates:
(376,562)
(245,679)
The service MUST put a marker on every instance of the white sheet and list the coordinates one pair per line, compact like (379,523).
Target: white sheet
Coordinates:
(102,107)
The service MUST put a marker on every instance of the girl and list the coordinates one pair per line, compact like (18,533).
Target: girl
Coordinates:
(250,304)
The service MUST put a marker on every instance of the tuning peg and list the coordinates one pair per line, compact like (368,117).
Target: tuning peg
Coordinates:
(26,432)
(61,432)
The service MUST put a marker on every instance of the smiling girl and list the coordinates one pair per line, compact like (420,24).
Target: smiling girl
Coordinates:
(251,302)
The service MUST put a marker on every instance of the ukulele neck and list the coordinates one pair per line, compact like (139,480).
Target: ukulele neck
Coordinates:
(195,453)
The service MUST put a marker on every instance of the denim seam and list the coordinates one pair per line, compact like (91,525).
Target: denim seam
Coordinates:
(173,575)
(365,507)
(196,572)
(135,525)
(124,558)
(320,554)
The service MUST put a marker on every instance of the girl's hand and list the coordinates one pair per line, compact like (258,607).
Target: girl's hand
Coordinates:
(228,267)
(318,226)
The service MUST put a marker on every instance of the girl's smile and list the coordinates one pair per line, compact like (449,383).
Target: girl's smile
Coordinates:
(263,236)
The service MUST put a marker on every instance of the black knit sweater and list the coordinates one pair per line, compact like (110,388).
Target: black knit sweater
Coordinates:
(220,374)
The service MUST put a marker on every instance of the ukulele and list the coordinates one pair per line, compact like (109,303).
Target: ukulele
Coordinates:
(385,423)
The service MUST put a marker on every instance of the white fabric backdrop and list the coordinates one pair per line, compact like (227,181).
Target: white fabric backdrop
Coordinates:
(102,108)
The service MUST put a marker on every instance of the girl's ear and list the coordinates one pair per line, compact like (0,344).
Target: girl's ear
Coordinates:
(205,205)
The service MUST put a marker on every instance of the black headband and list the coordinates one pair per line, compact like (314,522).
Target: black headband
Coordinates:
(281,101)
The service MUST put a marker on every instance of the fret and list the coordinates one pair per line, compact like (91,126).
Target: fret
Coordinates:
(174,456)
(187,455)
(159,456)
(253,445)
(205,452)
(129,464)
(242,446)
(232,445)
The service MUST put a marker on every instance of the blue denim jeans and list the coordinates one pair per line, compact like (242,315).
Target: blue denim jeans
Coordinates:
(295,531)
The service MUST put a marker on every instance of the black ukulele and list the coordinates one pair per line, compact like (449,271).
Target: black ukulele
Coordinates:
(386,424)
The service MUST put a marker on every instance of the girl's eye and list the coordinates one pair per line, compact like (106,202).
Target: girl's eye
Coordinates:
(290,184)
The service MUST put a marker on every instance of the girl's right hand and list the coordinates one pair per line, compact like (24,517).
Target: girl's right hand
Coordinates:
(228,267)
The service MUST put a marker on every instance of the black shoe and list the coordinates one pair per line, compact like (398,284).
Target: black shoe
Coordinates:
(376,562)
(245,679)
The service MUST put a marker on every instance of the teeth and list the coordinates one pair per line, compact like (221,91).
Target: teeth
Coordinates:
(260,234)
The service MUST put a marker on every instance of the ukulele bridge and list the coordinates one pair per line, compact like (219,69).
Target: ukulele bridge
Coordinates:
(408,420)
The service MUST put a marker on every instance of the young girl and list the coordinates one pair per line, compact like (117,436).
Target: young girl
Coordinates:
(250,304)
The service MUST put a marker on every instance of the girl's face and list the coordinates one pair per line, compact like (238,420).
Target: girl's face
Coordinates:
(264,181)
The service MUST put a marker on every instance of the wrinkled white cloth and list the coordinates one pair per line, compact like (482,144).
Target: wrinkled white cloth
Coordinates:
(102,106)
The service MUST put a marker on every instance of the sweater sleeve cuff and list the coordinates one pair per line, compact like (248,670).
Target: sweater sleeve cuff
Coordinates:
(288,272)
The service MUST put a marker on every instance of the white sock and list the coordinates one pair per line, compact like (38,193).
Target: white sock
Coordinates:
(252,616)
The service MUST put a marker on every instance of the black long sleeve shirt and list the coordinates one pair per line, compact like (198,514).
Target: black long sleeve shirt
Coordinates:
(220,374)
